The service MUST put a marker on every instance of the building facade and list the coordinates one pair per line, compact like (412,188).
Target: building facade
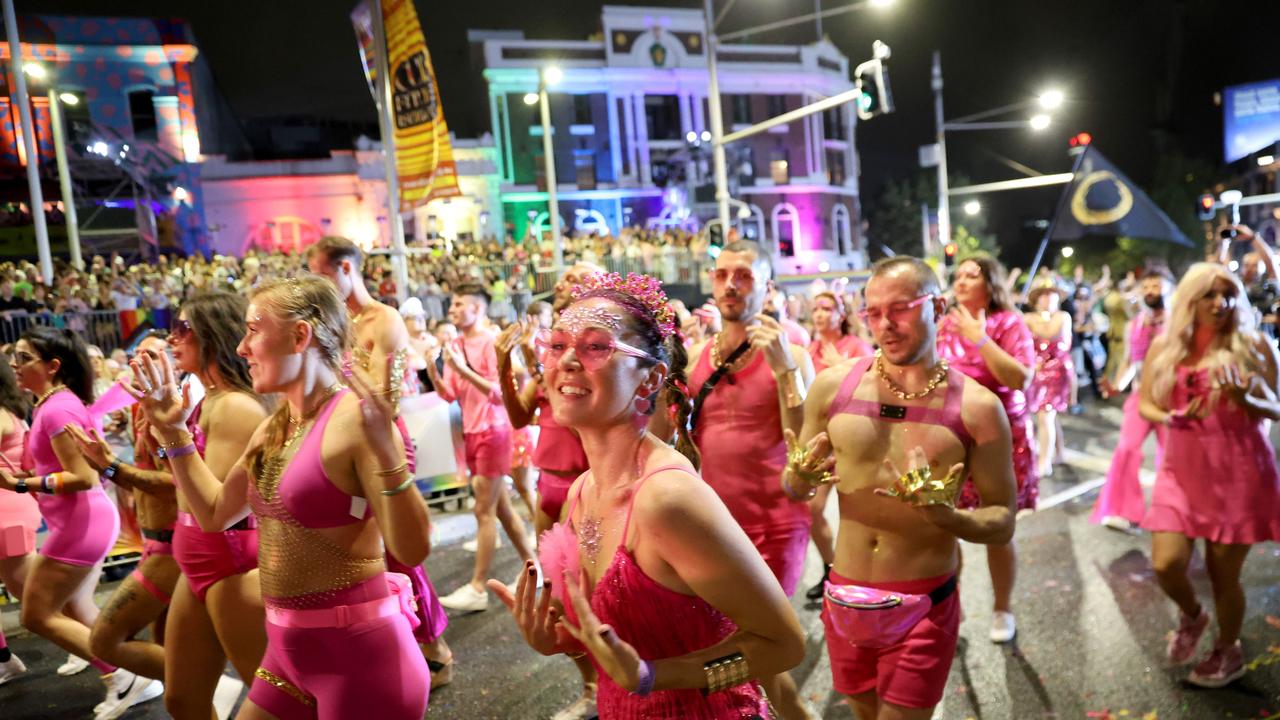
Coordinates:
(630,125)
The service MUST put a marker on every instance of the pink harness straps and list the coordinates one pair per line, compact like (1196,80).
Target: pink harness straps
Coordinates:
(947,416)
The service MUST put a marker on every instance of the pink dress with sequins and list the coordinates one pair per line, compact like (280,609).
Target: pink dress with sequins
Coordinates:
(1008,330)
(1217,479)
(1051,387)
(657,621)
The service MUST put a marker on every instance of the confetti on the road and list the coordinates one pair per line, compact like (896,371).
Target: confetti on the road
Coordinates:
(1271,657)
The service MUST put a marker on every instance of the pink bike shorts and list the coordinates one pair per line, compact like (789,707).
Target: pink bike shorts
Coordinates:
(912,673)
(209,557)
(155,542)
(489,452)
(783,551)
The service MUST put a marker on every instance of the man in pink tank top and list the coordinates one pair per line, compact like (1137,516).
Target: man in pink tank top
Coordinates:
(883,416)
(471,378)
(380,347)
(739,423)
(1120,505)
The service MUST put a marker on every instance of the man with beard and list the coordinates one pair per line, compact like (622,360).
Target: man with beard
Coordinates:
(471,377)
(749,384)
(897,423)
(380,347)
(1120,505)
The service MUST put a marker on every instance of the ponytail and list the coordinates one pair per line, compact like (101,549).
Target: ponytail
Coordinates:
(679,404)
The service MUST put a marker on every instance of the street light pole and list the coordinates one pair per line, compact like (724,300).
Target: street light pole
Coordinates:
(944,209)
(399,261)
(717,126)
(29,144)
(64,178)
(549,165)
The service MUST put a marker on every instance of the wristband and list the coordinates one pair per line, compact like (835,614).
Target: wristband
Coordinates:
(188,449)
(983,341)
(399,488)
(647,678)
(787,489)
(44,485)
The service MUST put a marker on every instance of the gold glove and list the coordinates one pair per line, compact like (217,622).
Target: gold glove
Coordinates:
(919,487)
(799,468)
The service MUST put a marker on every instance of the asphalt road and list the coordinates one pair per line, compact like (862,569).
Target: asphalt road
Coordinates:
(1092,627)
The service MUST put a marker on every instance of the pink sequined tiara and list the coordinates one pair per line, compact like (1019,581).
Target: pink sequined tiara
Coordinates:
(645,289)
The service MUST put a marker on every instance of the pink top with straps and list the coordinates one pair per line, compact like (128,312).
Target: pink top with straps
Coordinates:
(305,489)
(947,416)
(1145,329)
(643,613)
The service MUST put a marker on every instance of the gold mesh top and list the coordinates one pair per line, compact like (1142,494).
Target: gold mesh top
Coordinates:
(299,567)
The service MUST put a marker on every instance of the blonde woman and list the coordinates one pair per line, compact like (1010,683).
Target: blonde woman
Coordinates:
(1211,379)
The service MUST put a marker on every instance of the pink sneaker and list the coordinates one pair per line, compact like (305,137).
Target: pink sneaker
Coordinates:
(1224,666)
(1183,642)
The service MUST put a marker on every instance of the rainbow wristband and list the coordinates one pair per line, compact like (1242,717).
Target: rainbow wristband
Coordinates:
(188,449)
(647,679)
(45,484)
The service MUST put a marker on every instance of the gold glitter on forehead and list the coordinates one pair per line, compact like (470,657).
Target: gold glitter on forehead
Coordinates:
(578,318)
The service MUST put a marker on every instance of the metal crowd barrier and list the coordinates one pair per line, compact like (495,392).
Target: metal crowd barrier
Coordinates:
(103,328)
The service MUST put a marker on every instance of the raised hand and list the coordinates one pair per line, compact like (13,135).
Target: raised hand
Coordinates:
(377,414)
(95,450)
(972,327)
(508,339)
(812,463)
(154,385)
(918,487)
(768,337)
(616,657)
(534,613)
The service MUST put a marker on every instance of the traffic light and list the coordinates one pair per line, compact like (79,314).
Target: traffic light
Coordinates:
(1206,207)
(872,80)
(949,250)
(1080,140)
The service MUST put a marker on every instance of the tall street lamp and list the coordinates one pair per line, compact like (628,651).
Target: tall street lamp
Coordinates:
(58,98)
(1048,100)
(548,77)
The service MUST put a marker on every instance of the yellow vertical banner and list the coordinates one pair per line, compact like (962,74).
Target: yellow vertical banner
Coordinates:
(424,155)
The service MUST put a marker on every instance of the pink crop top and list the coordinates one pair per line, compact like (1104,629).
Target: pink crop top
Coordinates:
(305,489)
(947,416)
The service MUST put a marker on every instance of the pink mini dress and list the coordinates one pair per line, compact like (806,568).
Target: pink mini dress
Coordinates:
(1217,479)
(19,513)
(82,525)
(1051,387)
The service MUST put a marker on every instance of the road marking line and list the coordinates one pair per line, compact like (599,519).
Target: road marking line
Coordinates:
(1070,493)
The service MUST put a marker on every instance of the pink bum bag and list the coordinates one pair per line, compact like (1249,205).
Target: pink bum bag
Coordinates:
(874,618)
(399,602)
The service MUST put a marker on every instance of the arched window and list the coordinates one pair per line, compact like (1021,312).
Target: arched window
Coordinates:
(785,223)
(753,227)
(841,230)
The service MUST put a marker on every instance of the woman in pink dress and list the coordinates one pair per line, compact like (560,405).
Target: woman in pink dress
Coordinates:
(1211,380)
(1050,391)
(986,339)
(650,574)
(834,341)
(19,514)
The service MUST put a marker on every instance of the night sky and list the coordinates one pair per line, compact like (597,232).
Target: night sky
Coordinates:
(1140,75)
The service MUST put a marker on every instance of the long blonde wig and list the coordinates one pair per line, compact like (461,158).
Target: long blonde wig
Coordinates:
(1237,343)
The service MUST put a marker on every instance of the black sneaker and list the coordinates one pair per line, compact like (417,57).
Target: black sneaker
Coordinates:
(815,592)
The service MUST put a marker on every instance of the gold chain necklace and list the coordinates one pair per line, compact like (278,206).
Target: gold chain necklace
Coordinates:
(48,393)
(715,353)
(939,374)
(300,423)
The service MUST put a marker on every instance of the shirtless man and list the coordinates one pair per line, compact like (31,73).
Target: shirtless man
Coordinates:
(380,346)
(883,416)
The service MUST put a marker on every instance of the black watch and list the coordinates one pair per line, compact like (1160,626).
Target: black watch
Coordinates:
(21,486)
(109,472)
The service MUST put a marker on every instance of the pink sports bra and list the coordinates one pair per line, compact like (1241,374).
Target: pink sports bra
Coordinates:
(305,489)
(947,416)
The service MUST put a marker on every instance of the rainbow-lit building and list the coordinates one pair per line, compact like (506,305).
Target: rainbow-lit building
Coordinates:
(630,124)
(127,94)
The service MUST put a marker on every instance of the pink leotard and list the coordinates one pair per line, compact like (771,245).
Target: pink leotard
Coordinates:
(371,668)
(207,558)
(82,526)
(1008,330)
(1218,478)
(646,615)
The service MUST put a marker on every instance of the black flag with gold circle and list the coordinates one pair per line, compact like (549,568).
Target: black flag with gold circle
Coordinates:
(1101,200)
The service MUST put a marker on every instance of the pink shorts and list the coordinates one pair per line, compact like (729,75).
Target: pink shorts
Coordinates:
(209,557)
(489,452)
(553,491)
(783,551)
(153,547)
(17,540)
(912,673)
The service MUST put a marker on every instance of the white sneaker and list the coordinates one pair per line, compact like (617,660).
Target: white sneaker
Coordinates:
(11,668)
(1115,522)
(1003,627)
(583,708)
(124,690)
(466,599)
(474,543)
(73,665)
